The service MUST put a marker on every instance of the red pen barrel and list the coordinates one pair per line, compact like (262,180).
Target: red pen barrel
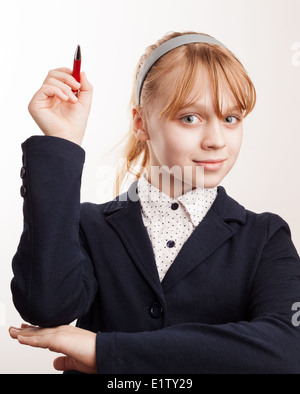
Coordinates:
(76,67)
(76,70)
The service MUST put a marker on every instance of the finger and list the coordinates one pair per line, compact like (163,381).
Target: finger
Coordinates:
(67,82)
(13,332)
(63,69)
(30,331)
(25,331)
(52,91)
(64,364)
(64,88)
(41,341)
(62,77)
(24,325)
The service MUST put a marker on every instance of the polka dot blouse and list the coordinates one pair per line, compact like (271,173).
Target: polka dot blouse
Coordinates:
(170,222)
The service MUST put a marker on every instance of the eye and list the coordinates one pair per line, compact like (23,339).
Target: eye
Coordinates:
(190,119)
(232,119)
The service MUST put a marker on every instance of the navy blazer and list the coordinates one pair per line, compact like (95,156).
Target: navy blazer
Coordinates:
(224,306)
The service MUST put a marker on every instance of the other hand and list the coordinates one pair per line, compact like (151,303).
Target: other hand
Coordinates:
(78,345)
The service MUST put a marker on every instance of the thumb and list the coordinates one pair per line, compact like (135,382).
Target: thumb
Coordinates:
(64,364)
(85,84)
(86,92)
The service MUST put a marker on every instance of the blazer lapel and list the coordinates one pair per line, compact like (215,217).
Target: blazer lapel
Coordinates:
(125,217)
(209,235)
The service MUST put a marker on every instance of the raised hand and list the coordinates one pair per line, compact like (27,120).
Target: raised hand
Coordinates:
(56,109)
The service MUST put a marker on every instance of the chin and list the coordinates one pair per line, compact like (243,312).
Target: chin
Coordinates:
(211,181)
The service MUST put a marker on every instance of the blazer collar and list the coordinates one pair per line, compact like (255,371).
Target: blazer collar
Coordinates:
(124,215)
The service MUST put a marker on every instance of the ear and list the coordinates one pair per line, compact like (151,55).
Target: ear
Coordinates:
(139,124)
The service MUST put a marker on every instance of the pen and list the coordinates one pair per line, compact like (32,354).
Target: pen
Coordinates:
(76,67)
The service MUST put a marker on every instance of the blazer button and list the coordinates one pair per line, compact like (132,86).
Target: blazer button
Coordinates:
(23,191)
(22,172)
(156,310)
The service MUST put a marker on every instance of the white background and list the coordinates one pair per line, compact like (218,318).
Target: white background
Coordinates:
(38,35)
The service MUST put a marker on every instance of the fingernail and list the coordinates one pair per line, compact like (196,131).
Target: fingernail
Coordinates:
(14,330)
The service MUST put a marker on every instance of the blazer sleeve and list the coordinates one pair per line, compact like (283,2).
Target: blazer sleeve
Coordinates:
(267,342)
(53,281)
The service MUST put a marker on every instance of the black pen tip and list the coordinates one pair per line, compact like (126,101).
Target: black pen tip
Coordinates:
(78,53)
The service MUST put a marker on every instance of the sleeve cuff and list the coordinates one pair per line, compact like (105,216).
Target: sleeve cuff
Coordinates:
(106,353)
(47,144)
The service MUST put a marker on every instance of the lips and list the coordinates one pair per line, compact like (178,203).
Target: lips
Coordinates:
(210,165)
(209,161)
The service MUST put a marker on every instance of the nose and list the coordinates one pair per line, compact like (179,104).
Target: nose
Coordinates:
(213,136)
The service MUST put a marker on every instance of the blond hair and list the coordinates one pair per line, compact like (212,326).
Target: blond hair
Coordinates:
(223,69)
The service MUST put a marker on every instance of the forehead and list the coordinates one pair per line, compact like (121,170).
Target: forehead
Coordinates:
(200,91)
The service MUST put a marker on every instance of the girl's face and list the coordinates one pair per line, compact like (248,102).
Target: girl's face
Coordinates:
(195,139)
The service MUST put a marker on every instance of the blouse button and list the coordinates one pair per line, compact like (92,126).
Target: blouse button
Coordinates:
(174,206)
(170,244)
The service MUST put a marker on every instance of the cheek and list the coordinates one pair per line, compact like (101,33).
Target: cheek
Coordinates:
(179,144)
(234,145)
(239,141)
(170,146)
(177,149)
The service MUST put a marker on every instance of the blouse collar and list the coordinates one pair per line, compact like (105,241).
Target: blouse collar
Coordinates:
(154,202)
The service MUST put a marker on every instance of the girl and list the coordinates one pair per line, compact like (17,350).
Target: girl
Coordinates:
(171,276)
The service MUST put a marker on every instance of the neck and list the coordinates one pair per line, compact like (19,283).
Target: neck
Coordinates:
(168,183)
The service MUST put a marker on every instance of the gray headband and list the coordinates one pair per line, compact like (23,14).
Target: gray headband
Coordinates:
(162,50)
